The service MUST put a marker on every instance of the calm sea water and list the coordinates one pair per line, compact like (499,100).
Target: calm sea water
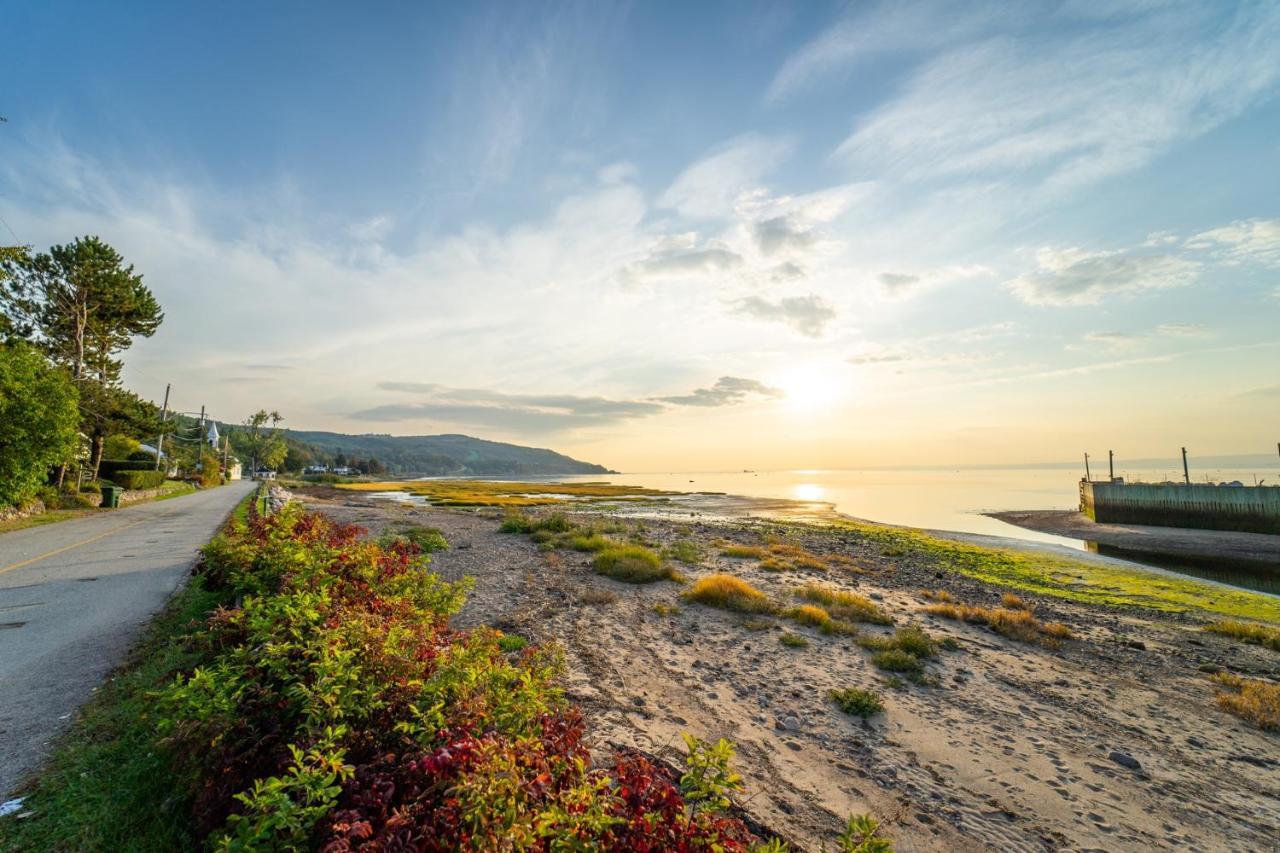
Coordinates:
(932,499)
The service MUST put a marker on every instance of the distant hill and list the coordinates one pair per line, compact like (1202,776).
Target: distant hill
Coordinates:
(446,455)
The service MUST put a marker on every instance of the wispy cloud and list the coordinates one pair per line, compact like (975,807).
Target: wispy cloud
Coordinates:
(1101,98)
(483,408)
(727,391)
(808,315)
(712,186)
(887,27)
(1077,277)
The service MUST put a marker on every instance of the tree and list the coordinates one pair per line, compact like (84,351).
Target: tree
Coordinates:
(260,440)
(10,258)
(83,306)
(38,418)
(119,446)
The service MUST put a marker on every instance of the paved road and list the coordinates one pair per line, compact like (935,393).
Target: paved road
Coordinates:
(74,596)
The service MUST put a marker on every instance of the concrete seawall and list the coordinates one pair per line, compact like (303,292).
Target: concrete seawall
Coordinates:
(1250,508)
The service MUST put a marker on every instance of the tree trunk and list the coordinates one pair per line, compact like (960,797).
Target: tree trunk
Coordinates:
(99,443)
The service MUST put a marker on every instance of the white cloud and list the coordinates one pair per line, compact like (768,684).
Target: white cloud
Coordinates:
(1249,241)
(808,315)
(1077,277)
(711,187)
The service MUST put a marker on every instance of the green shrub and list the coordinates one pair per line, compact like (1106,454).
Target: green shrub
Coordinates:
(855,700)
(108,468)
(896,660)
(685,551)
(38,420)
(632,564)
(862,835)
(515,522)
(129,479)
(512,642)
(427,539)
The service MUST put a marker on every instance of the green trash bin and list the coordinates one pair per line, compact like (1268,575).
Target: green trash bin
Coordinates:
(111,497)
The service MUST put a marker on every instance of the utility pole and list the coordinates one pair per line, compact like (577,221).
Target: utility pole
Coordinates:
(164,416)
(226,447)
(1186,473)
(1088,477)
(200,442)
(1111,464)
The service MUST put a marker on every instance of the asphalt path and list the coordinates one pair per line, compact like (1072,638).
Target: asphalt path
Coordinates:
(74,596)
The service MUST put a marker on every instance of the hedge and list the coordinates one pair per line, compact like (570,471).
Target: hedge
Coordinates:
(138,479)
(109,467)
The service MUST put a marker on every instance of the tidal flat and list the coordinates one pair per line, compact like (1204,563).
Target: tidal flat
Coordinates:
(969,696)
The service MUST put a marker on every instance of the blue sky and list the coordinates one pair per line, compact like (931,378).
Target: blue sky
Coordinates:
(681,235)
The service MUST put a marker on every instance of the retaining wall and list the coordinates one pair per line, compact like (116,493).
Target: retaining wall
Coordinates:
(1250,508)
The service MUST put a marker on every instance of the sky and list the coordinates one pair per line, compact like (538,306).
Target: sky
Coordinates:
(681,236)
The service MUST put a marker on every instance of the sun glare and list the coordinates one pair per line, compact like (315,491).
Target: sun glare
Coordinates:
(809,389)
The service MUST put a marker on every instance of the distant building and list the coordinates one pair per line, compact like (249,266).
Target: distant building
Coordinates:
(212,435)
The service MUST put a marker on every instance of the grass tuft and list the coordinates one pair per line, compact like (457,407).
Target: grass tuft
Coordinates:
(685,551)
(793,641)
(598,596)
(1251,699)
(1013,602)
(1019,625)
(728,592)
(633,564)
(1247,632)
(844,605)
(856,701)
(810,614)
(897,660)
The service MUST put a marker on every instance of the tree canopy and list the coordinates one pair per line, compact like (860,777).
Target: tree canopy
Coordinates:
(38,419)
(260,440)
(83,305)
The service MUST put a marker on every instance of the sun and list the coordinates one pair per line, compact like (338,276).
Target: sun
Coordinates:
(809,389)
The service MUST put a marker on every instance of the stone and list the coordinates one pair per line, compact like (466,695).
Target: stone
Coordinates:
(1124,759)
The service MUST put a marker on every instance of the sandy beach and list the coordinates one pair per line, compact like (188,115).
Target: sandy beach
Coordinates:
(1112,741)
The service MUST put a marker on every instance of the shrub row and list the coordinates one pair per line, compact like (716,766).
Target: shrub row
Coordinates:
(339,711)
(108,468)
(138,479)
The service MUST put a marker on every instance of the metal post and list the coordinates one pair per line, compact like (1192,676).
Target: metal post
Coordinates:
(1111,465)
(1186,473)
(164,416)
(1088,477)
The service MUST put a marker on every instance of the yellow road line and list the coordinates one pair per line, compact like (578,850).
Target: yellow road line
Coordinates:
(73,545)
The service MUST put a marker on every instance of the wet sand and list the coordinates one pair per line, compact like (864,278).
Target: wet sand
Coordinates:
(1258,548)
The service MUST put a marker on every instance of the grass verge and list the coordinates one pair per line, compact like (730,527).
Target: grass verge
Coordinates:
(1062,577)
